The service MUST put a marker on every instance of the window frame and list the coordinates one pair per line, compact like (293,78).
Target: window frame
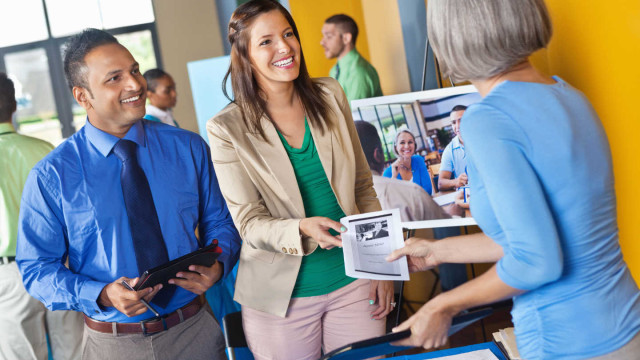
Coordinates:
(52,45)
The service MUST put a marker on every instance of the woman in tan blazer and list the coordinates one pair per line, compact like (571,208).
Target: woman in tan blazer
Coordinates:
(289,164)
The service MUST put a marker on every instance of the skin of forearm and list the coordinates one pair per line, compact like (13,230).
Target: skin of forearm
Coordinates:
(447,184)
(485,289)
(472,248)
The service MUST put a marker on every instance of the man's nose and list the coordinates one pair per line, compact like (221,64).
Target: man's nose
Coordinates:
(133,82)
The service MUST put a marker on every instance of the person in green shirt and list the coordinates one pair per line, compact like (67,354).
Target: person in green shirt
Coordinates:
(358,77)
(24,321)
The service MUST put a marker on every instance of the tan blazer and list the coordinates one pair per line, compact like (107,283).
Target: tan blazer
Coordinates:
(258,182)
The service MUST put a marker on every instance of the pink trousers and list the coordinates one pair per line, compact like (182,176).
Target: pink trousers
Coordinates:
(313,323)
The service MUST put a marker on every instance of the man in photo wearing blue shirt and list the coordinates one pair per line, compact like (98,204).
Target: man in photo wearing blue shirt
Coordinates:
(453,167)
(120,196)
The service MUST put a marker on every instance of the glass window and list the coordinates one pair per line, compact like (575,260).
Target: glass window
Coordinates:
(119,13)
(140,44)
(36,115)
(68,17)
(22,22)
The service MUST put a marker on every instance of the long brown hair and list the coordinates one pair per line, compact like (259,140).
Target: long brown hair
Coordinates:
(246,91)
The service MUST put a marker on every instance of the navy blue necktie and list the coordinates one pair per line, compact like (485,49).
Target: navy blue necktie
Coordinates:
(337,71)
(146,234)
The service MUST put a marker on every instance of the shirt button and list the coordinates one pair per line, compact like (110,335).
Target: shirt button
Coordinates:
(295,251)
(290,251)
(284,250)
(97,312)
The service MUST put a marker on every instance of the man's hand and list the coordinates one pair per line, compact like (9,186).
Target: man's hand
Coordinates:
(199,278)
(459,201)
(318,228)
(125,300)
(461,180)
(419,252)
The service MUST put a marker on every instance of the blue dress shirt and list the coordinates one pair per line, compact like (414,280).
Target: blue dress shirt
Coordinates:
(454,158)
(73,206)
(560,238)
(420,173)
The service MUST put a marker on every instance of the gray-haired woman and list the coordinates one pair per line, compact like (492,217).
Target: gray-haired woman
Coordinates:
(555,242)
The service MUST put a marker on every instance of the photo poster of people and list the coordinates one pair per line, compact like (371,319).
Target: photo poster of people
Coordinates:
(369,239)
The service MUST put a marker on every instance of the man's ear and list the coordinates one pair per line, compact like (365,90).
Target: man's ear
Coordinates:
(378,156)
(346,38)
(82,97)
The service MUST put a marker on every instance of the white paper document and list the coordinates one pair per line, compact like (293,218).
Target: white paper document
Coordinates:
(369,239)
(484,354)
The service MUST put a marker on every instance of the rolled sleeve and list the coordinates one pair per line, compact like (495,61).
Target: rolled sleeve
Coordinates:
(42,250)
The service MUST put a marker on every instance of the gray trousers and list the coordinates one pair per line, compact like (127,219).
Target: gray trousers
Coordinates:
(25,323)
(199,337)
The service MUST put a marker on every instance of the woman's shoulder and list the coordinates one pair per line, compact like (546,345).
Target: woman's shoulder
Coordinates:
(229,116)
(327,83)
(417,161)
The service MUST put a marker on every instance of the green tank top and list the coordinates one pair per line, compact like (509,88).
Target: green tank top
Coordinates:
(322,271)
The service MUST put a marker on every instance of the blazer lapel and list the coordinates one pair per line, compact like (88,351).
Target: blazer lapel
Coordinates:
(275,157)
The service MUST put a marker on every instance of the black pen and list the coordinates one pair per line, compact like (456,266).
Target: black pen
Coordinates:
(143,301)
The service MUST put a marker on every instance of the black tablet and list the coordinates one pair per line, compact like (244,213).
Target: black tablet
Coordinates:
(205,256)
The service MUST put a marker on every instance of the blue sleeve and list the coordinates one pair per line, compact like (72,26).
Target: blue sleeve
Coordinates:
(43,248)
(215,220)
(421,173)
(499,150)
(387,172)
(446,163)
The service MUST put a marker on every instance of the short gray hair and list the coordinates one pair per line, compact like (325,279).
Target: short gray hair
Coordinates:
(478,39)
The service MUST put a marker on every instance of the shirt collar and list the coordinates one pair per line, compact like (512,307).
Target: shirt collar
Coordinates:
(349,58)
(456,144)
(156,111)
(105,142)
(6,127)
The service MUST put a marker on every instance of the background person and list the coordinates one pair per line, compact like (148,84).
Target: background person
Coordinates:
(453,167)
(555,243)
(408,166)
(24,321)
(356,75)
(290,166)
(116,204)
(161,92)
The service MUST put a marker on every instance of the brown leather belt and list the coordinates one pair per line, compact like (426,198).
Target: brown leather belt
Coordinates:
(147,327)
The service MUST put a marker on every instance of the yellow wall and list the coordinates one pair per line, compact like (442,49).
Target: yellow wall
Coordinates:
(596,48)
(386,46)
(309,17)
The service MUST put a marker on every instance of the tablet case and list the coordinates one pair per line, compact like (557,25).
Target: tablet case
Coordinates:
(382,345)
(205,256)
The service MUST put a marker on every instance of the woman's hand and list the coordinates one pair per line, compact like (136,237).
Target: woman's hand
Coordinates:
(399,165)
(429,326)
(420,254)
(382,293)
(318,227)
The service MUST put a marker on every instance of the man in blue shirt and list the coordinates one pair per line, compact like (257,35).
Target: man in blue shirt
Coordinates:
(76,205)
(453,167)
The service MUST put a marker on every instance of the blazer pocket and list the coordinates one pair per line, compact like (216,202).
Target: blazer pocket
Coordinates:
(259,254)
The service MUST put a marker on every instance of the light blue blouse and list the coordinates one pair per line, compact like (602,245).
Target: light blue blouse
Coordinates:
(420,173)
(543,189)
